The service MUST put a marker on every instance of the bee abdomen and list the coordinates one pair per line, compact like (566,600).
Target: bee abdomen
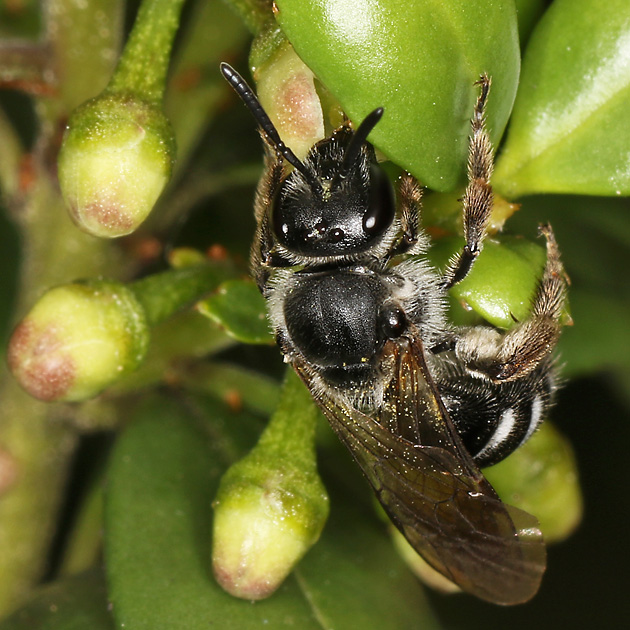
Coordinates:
(494,419)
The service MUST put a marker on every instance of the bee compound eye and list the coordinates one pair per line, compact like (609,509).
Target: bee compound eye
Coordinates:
(393,321)
(381,208)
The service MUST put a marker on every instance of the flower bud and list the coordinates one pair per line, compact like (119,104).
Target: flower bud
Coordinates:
(78,339)
(115,160)
(541,477)
(271,506)
(263,525)
(286,89)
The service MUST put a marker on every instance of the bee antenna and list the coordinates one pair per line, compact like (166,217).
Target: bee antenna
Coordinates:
(360,138)
(251,100)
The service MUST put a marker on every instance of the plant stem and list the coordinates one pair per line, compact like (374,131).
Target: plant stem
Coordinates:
(290,434)
(165,293)
(254,13)
(84,40)
(23,66)
(143,67)
(12,152)
(41,450)
(196,90)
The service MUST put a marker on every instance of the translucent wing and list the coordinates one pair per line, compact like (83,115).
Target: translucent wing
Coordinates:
(431,489)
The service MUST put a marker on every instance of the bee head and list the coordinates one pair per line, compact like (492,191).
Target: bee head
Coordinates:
(341,202)
(338,201)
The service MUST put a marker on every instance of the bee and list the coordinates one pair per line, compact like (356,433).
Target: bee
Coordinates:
(360,315)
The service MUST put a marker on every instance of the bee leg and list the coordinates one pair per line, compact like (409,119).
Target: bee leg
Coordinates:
(509,356)
(477,201)
(411,239)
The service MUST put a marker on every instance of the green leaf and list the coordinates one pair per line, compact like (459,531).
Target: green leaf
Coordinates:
(355,579)
(419,61)
(570,130)
(75,603)
(241,310)
(590,346)
(502,282)
(163,476)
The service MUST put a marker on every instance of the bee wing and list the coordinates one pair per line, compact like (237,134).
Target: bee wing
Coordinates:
(431,489)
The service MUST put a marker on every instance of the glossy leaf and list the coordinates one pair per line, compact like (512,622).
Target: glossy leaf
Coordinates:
(419,61)
(502,283)
(163,476)
(570,130)
(75,603)
(241,310)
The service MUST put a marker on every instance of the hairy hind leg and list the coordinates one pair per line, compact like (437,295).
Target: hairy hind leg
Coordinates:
(508,356)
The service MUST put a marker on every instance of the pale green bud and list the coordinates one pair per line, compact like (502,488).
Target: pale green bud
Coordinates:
(77,340)
(263,525)
(286,89)
(115,160)
(541,477)
(271,506)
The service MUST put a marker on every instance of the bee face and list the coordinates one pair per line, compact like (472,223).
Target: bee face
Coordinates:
(360,315)
(343,210)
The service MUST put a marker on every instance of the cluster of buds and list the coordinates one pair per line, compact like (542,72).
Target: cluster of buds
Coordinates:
(116,159)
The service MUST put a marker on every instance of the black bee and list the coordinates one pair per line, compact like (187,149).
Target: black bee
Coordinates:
(360,315)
